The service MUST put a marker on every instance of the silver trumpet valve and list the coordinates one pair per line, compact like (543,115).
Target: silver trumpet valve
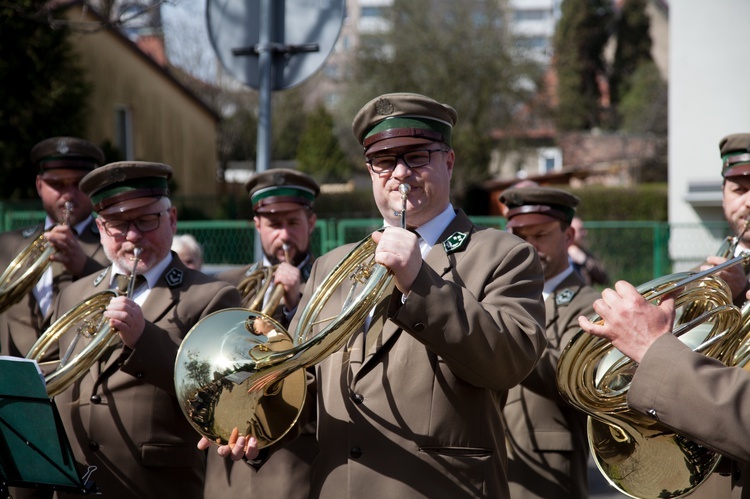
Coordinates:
(404,189)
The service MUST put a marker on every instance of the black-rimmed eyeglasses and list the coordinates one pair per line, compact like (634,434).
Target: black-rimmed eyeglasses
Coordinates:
(145,223)
(412,159)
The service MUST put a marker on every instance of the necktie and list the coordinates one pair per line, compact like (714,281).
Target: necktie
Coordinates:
(123,281)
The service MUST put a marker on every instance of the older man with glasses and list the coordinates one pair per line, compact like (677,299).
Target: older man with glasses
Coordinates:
(123,417)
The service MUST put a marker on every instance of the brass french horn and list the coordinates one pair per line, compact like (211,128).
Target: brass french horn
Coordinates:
(256,283)
(27,268)
(229,373)
(637,455)
(88,321)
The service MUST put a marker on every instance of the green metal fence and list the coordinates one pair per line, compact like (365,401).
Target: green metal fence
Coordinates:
(633,251)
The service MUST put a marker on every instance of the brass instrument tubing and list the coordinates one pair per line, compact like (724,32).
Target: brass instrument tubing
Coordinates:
(131,283)
(66,213)
(404,189)
(136,258)
(699,275)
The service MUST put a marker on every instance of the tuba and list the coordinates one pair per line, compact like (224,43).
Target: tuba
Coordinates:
(637,455)
(87,321)
(27,268)
(232,374)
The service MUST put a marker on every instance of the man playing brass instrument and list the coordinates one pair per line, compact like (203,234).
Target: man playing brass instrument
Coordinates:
(548,447)
(284,217)
(123,416)
(735,157)
(411,405)
(697,396)
(62,162)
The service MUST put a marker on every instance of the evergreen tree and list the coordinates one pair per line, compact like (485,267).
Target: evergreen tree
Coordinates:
(42,91)
(633,47)
(319,153)
(287,122)
(580,37)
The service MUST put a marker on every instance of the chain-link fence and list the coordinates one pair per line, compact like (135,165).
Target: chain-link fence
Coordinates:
(633,251)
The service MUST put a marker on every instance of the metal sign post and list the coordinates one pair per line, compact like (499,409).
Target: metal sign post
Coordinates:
(272,45)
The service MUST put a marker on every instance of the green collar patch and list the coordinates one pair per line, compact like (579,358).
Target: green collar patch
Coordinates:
(564,297)
(456,242)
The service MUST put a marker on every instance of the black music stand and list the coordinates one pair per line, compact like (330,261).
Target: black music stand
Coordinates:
(34,449)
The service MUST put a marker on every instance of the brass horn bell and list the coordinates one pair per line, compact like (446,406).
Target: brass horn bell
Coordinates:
(638,455)
(239,368)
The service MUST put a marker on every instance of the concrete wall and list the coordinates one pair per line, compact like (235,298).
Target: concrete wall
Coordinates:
(708,99)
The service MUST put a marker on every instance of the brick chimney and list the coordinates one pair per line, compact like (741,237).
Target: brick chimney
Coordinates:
(153,46)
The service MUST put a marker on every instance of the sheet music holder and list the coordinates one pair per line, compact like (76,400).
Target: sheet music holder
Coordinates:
(34,449)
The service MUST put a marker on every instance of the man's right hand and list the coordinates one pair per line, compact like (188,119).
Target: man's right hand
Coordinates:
(236,449)
(630,322)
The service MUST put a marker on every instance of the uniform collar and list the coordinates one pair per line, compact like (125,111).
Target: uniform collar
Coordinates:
(152,275)
(431,231)
(551,284)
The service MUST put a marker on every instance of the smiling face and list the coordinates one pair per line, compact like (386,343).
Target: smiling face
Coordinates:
(155,244)
(430,184)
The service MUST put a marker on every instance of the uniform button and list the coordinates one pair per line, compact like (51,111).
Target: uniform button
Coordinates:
(139,375)
(358,398)
(94,446)
(652,413)
(419,326)
(96,399)
(356,452)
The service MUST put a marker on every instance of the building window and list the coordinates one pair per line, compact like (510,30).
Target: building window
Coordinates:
(124,133)
(550,159)
(371,12)
(531,15)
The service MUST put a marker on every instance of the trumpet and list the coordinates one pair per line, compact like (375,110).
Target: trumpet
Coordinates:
(27,268)
(229,375)
(89,322)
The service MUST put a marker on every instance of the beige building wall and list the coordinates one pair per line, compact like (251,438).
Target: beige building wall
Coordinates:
(168,124)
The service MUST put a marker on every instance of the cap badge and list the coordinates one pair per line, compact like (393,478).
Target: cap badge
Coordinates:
(455,242)
(117,175)
(174,277)
(278,179)
(564,297)
(384,107)
(62,147)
